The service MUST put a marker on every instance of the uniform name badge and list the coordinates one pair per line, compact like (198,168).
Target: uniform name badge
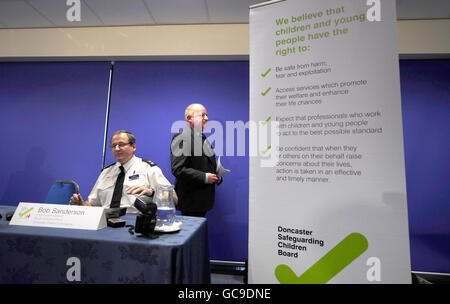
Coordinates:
(133,177)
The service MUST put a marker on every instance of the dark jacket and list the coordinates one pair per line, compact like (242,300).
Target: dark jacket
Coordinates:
(191,157)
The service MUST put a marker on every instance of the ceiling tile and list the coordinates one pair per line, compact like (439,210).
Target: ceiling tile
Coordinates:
(18,14)
(229,11)
(178,11)
(56,11)
(52,13)
(121,12)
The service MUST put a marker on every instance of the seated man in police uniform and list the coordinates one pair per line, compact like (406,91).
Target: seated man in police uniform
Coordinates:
(139,177)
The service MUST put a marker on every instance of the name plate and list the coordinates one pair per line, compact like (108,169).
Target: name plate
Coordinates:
(59,216)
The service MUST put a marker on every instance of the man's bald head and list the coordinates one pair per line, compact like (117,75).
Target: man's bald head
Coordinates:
(196,116)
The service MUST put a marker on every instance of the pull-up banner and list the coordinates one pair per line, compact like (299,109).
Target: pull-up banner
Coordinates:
(331,208)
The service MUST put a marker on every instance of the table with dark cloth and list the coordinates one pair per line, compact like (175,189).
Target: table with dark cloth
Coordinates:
(108,255)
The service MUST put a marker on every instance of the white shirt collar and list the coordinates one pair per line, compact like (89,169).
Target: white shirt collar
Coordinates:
(128,164)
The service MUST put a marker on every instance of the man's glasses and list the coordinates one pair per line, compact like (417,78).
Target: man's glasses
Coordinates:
(121,145)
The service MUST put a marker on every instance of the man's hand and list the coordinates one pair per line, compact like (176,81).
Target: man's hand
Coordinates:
(212,178)
(175,198)
(139,190)
(76,199)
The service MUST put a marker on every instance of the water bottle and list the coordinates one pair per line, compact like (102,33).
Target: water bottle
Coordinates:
(166,208)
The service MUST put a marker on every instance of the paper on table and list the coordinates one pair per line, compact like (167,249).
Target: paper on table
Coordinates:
(220,170)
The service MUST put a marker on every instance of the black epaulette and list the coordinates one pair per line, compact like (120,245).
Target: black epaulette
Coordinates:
(108,166)
(152,164)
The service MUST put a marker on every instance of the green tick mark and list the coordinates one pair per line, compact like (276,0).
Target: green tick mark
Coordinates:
(23,213)
(329,265)
(265,151)
(265,93)
(267,72)
(266,121)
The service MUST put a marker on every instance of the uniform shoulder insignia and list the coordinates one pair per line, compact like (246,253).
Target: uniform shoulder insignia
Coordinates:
(149,162)
(108,166)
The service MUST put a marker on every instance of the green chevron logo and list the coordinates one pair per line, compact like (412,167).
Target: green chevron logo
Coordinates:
(22,214)
(329,265)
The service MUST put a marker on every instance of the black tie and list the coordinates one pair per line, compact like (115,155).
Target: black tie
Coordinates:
(207,149)
(117,195)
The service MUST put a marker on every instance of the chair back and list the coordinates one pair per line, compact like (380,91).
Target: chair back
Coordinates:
(61,191)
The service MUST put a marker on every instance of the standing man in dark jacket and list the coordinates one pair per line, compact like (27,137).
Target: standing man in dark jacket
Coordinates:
(194,164)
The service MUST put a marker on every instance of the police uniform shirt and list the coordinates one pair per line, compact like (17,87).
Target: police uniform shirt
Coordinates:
(137,173)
